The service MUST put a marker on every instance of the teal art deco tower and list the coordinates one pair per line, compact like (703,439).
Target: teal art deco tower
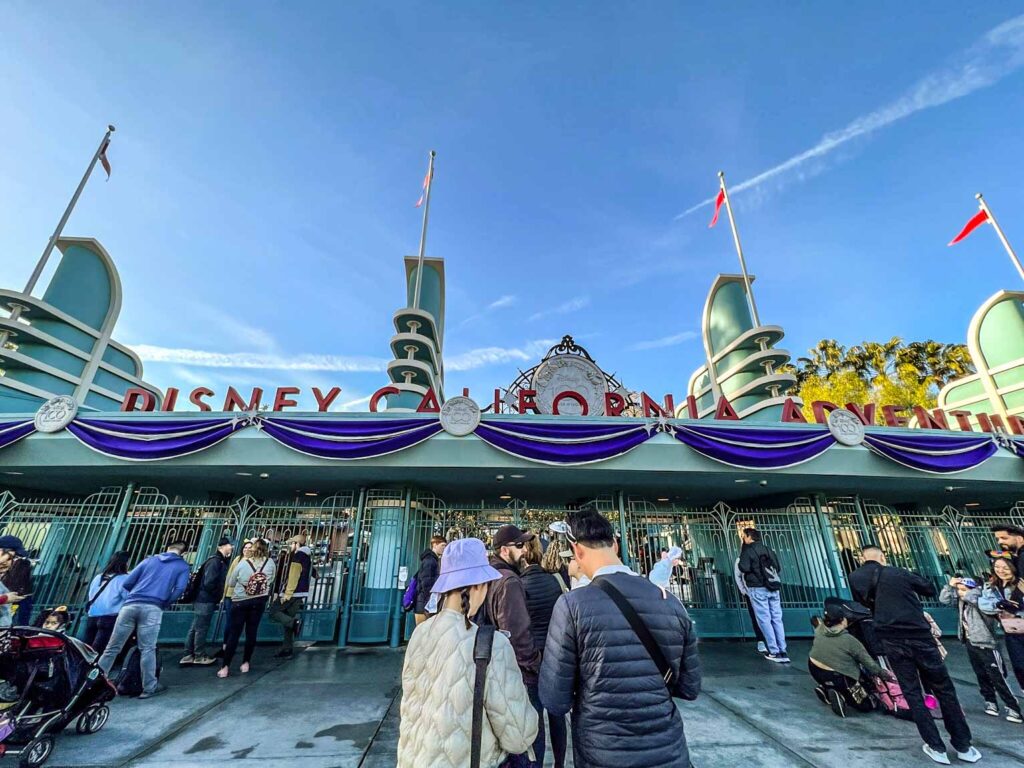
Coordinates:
(62,343)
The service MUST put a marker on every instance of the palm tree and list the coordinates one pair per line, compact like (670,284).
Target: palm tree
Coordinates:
(826,358)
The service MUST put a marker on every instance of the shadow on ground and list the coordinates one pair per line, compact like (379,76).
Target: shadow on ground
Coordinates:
(331,708)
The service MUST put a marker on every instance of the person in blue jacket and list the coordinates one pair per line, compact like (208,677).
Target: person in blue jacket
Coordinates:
(152,587)
(106,596)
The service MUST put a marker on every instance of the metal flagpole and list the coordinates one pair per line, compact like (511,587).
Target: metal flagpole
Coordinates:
(38,271)
(423,233)
(739,249)
(999,231)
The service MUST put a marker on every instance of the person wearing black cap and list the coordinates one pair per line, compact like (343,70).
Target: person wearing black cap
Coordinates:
(208,586)
(836,660)
(16,574)
(506,609)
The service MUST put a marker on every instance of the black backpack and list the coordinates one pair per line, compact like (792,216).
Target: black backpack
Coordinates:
(195,583)
(129,679)
(769,573)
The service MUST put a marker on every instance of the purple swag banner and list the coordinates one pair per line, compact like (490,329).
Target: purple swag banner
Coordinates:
(942,454)
(12,431)
(135,441)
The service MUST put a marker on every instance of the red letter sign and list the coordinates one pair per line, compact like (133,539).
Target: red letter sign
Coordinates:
(196,398)
(791,412)
(429,403)
(323,402)
(379,394)
(570,395)
(527,401)
(234,399)
(614,404)
(133,396)
(282,399)
(891,414)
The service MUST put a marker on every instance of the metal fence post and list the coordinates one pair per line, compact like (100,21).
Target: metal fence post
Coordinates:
(869,534)
(116,526)
(828,539)
(623,530)
(350,578)
(397,614)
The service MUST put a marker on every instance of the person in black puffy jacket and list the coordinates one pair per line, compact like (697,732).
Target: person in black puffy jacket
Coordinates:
(430,568)
(623,715)
(542,592)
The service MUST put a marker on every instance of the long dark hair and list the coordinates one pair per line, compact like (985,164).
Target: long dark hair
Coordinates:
(117,565)
(997,582)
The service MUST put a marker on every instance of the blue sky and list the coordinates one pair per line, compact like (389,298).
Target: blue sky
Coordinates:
(268,156)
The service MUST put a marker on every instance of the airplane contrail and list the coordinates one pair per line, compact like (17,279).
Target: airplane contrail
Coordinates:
(1000,52)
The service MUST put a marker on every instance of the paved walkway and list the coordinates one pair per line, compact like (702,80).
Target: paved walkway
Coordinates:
(339,709)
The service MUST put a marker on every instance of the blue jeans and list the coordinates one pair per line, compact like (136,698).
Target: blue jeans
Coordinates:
(143,620)
(768,610)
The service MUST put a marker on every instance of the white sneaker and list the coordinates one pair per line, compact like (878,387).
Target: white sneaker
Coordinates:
(991,708)
(1013,716)
(972,755)
(761,647)
(934,754)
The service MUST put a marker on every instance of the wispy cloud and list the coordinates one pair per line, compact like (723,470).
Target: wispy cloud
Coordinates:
(1000,52)
(466,361)
(572,305)
(351,405)
(664,341)
(203,359)
(500,303)
(504,301)
(478,358)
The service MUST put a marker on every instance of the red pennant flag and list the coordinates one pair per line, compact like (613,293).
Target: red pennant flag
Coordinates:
(423,195)
(103,158)
(976,221)
(718,205)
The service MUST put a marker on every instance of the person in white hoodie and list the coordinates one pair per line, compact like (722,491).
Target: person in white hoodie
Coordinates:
(440,673)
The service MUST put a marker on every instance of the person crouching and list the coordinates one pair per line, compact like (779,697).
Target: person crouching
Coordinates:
(836,661)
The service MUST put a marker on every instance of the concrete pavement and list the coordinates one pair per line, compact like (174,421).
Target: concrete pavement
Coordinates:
(331,708)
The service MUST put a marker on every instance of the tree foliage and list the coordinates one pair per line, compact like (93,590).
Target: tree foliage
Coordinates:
(889,372)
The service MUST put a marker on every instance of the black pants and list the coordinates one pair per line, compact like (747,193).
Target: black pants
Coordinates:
(97,632)
(753,619)
(989,670)
(245,614)
(831,679)
(1015,650)
(916,661)
(559,738)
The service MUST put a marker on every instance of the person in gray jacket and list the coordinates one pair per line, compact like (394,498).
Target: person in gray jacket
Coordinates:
(595,664)
(976,630)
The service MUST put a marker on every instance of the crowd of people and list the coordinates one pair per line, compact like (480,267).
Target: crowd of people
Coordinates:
(551,625)
(506,639)
(527,633)
(125,606)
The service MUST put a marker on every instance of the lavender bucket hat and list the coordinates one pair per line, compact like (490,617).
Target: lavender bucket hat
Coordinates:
(464,564)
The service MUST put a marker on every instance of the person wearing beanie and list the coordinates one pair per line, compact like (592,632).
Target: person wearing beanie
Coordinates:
(209,590)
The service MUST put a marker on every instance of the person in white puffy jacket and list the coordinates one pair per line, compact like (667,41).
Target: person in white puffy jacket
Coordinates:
(439,674)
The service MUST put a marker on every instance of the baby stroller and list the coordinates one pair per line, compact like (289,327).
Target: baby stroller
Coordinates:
(51,680)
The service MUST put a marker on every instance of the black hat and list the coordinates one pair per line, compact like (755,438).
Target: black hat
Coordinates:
(14,544)
(837,609)
(509,534)
(224,541)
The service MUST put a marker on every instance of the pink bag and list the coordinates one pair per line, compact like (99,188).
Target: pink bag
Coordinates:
(891,697)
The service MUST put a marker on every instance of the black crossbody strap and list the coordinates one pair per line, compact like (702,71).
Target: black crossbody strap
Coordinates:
(481,658)
(641,630)
(873,588)
(103,585)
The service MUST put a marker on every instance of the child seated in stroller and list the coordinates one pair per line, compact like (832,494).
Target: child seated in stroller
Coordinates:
(838,661)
